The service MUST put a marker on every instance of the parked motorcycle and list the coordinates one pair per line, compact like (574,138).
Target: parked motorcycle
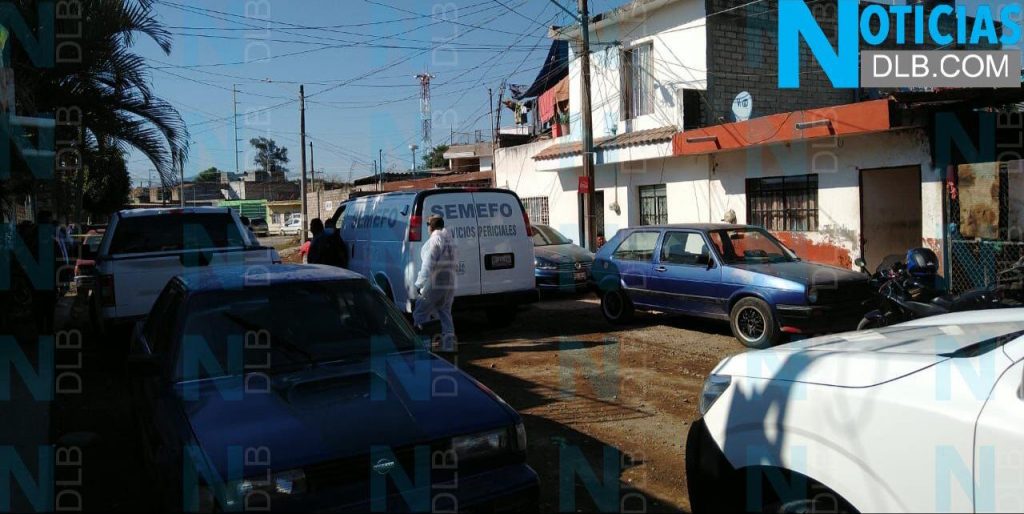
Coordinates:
(911,290)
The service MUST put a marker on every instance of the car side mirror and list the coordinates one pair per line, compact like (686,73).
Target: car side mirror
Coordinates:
(143,366)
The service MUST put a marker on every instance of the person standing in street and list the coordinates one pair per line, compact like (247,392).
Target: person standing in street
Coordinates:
(316,227)
(436,282)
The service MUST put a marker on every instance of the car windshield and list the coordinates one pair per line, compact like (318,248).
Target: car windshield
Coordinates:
(544,235)
(285,327)
(750,246)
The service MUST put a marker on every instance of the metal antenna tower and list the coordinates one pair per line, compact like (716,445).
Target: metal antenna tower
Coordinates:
(425,116)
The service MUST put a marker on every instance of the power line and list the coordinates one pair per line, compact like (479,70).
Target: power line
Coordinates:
(521,15)
(206,12)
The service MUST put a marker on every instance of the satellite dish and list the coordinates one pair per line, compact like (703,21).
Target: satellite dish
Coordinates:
(742,106)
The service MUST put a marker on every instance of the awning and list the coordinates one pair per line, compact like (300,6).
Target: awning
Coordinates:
(839,120)
(556,66)
(640,137)
(551,98)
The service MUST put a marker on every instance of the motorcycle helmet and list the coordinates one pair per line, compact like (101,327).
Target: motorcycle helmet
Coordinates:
(922,262)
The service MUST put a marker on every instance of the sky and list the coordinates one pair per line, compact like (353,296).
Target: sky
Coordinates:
(358,60)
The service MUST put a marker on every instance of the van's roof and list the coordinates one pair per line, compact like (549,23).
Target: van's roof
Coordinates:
(439,190)
(135,213)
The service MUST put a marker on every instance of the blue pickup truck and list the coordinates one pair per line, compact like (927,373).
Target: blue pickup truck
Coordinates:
(299,388)
(737,273)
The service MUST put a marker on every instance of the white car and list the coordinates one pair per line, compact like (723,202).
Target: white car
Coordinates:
(291,228)
(926,416)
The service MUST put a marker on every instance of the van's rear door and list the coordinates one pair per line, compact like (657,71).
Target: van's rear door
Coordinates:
(459,212)
(506,250)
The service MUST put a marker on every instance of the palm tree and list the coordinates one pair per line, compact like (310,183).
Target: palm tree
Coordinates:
(107,85)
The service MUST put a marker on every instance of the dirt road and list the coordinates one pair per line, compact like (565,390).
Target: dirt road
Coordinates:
(606,408)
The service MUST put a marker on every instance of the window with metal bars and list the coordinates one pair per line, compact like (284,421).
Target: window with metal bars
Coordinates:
(537,209)
(653,205)
(783,203)
(637,81)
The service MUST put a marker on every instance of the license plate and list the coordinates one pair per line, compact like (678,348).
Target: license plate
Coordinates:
(496,261)
(579,276)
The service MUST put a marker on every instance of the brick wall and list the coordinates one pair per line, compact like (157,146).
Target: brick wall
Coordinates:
(328,201)
(742,55)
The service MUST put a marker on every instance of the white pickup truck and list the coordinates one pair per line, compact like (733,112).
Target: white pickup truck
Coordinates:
(144,248)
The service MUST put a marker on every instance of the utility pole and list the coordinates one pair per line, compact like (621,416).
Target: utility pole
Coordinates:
(234,102)
(312,168)
(302,131)
(181,171)
(380,179)
(588,221)
(490,103)
(497,121)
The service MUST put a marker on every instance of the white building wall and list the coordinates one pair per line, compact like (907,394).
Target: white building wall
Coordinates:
(703,188)
(837,162)
(677,34)
(686,180)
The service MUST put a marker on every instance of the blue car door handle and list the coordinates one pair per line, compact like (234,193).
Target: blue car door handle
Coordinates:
(661,269)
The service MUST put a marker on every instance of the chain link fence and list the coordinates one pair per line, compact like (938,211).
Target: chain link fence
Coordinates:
(983,235)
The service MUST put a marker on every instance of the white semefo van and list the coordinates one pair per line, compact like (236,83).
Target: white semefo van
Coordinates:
(384,234)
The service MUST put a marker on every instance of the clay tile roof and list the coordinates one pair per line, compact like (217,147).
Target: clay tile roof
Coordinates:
(640,137)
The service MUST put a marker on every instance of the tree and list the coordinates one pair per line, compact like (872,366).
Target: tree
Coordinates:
(435,157)
(211,174)
(269,157)
(107,183)
(106,83)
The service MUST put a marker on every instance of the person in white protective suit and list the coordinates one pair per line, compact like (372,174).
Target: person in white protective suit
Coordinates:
(436,282)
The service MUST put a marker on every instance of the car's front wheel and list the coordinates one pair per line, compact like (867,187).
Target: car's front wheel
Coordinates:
(616,306)
(753,323)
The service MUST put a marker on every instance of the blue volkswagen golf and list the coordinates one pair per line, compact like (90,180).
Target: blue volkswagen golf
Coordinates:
(301,388)
(741,274)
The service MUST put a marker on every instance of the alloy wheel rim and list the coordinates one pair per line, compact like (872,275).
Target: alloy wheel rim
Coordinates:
(750,324)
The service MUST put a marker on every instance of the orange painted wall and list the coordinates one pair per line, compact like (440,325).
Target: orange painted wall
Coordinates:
(815,251)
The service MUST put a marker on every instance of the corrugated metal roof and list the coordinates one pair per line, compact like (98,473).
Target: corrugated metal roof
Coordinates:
(640,137)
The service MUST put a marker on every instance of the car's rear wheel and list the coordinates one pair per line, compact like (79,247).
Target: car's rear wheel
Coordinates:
(616,306)
(753,323)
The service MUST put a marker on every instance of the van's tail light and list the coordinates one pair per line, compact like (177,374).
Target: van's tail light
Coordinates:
(416,228)
(526,221)
(106,289)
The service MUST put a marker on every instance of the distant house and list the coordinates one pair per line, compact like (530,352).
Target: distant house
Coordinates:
(196,194)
